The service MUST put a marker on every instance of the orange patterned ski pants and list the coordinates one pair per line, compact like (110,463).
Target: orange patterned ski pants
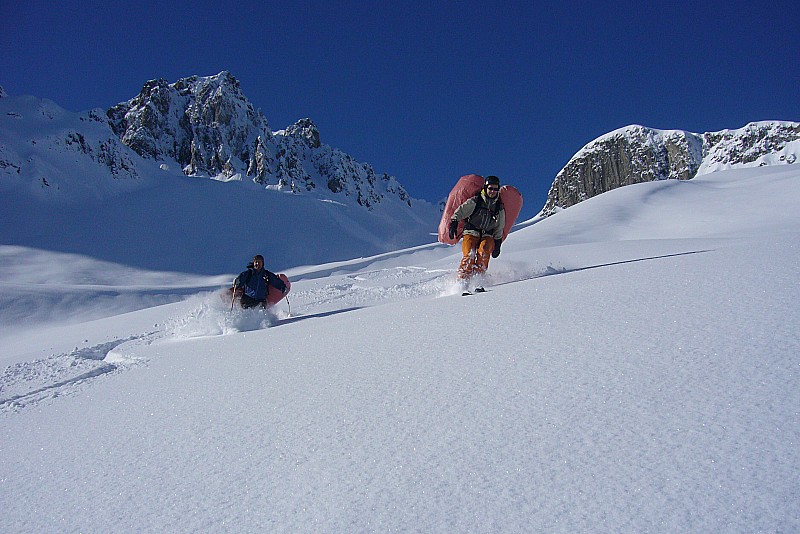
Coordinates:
(477,252)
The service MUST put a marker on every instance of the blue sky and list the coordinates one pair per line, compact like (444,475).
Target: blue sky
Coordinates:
(429,91)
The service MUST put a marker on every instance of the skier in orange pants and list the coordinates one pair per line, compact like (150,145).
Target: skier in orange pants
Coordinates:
(483,229)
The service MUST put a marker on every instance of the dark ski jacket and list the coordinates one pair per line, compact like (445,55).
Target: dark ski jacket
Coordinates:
(254,283)
(483,215)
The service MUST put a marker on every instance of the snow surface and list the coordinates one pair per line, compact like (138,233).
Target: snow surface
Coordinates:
(634,367)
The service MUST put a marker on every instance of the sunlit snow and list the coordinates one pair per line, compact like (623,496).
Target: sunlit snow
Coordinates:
(634,367)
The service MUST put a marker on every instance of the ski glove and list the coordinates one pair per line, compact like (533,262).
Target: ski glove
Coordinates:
(496,251)
(453,229)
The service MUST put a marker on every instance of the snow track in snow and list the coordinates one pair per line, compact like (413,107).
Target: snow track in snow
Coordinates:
(206,314)
(26,384)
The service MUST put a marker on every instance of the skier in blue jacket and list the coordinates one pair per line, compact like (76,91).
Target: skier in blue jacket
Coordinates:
(253,284)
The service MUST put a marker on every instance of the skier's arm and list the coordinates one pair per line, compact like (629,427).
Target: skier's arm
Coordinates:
(464,210)
(238,282)
(501,224)
(276,282)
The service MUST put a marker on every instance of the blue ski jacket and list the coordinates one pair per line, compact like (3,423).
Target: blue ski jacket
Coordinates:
(254,283)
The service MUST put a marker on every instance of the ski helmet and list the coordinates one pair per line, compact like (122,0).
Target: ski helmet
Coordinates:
(491,180)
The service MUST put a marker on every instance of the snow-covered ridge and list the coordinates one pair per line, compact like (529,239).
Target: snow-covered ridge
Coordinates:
(69,180)
(756,145)
(48,151)
(636,153)
(201,126)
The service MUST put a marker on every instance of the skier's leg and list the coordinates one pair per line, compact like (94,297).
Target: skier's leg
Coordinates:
(469,246)
(483,255)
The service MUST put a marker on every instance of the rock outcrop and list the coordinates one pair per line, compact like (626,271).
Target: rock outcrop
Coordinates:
(637,154)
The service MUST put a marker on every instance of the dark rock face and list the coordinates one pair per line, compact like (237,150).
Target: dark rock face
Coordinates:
(638,154)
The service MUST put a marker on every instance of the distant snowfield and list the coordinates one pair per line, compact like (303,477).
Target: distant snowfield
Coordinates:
(635,366)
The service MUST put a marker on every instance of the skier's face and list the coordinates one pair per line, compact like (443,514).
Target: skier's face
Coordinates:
(258,264)
(492,190)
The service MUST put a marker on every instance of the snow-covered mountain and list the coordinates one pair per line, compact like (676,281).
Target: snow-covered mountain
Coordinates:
(195,161)
(637,154)
(209,128)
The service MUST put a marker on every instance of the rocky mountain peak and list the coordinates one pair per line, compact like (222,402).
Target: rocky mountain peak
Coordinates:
(307,130)
(209,128)
(205,124)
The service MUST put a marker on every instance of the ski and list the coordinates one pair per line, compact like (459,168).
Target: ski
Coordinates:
(476,290)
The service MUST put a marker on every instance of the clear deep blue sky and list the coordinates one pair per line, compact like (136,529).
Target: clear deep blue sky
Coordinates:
(429,91)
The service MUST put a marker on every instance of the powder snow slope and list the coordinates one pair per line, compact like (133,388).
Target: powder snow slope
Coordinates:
(634,368)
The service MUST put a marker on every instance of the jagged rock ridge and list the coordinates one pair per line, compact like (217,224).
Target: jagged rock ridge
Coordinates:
(208,127)
(637,154)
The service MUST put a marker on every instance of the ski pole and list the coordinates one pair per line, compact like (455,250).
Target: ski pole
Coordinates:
(288,304)
(233,293)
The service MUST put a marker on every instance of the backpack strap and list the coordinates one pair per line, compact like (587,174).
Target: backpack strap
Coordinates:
(481,203)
